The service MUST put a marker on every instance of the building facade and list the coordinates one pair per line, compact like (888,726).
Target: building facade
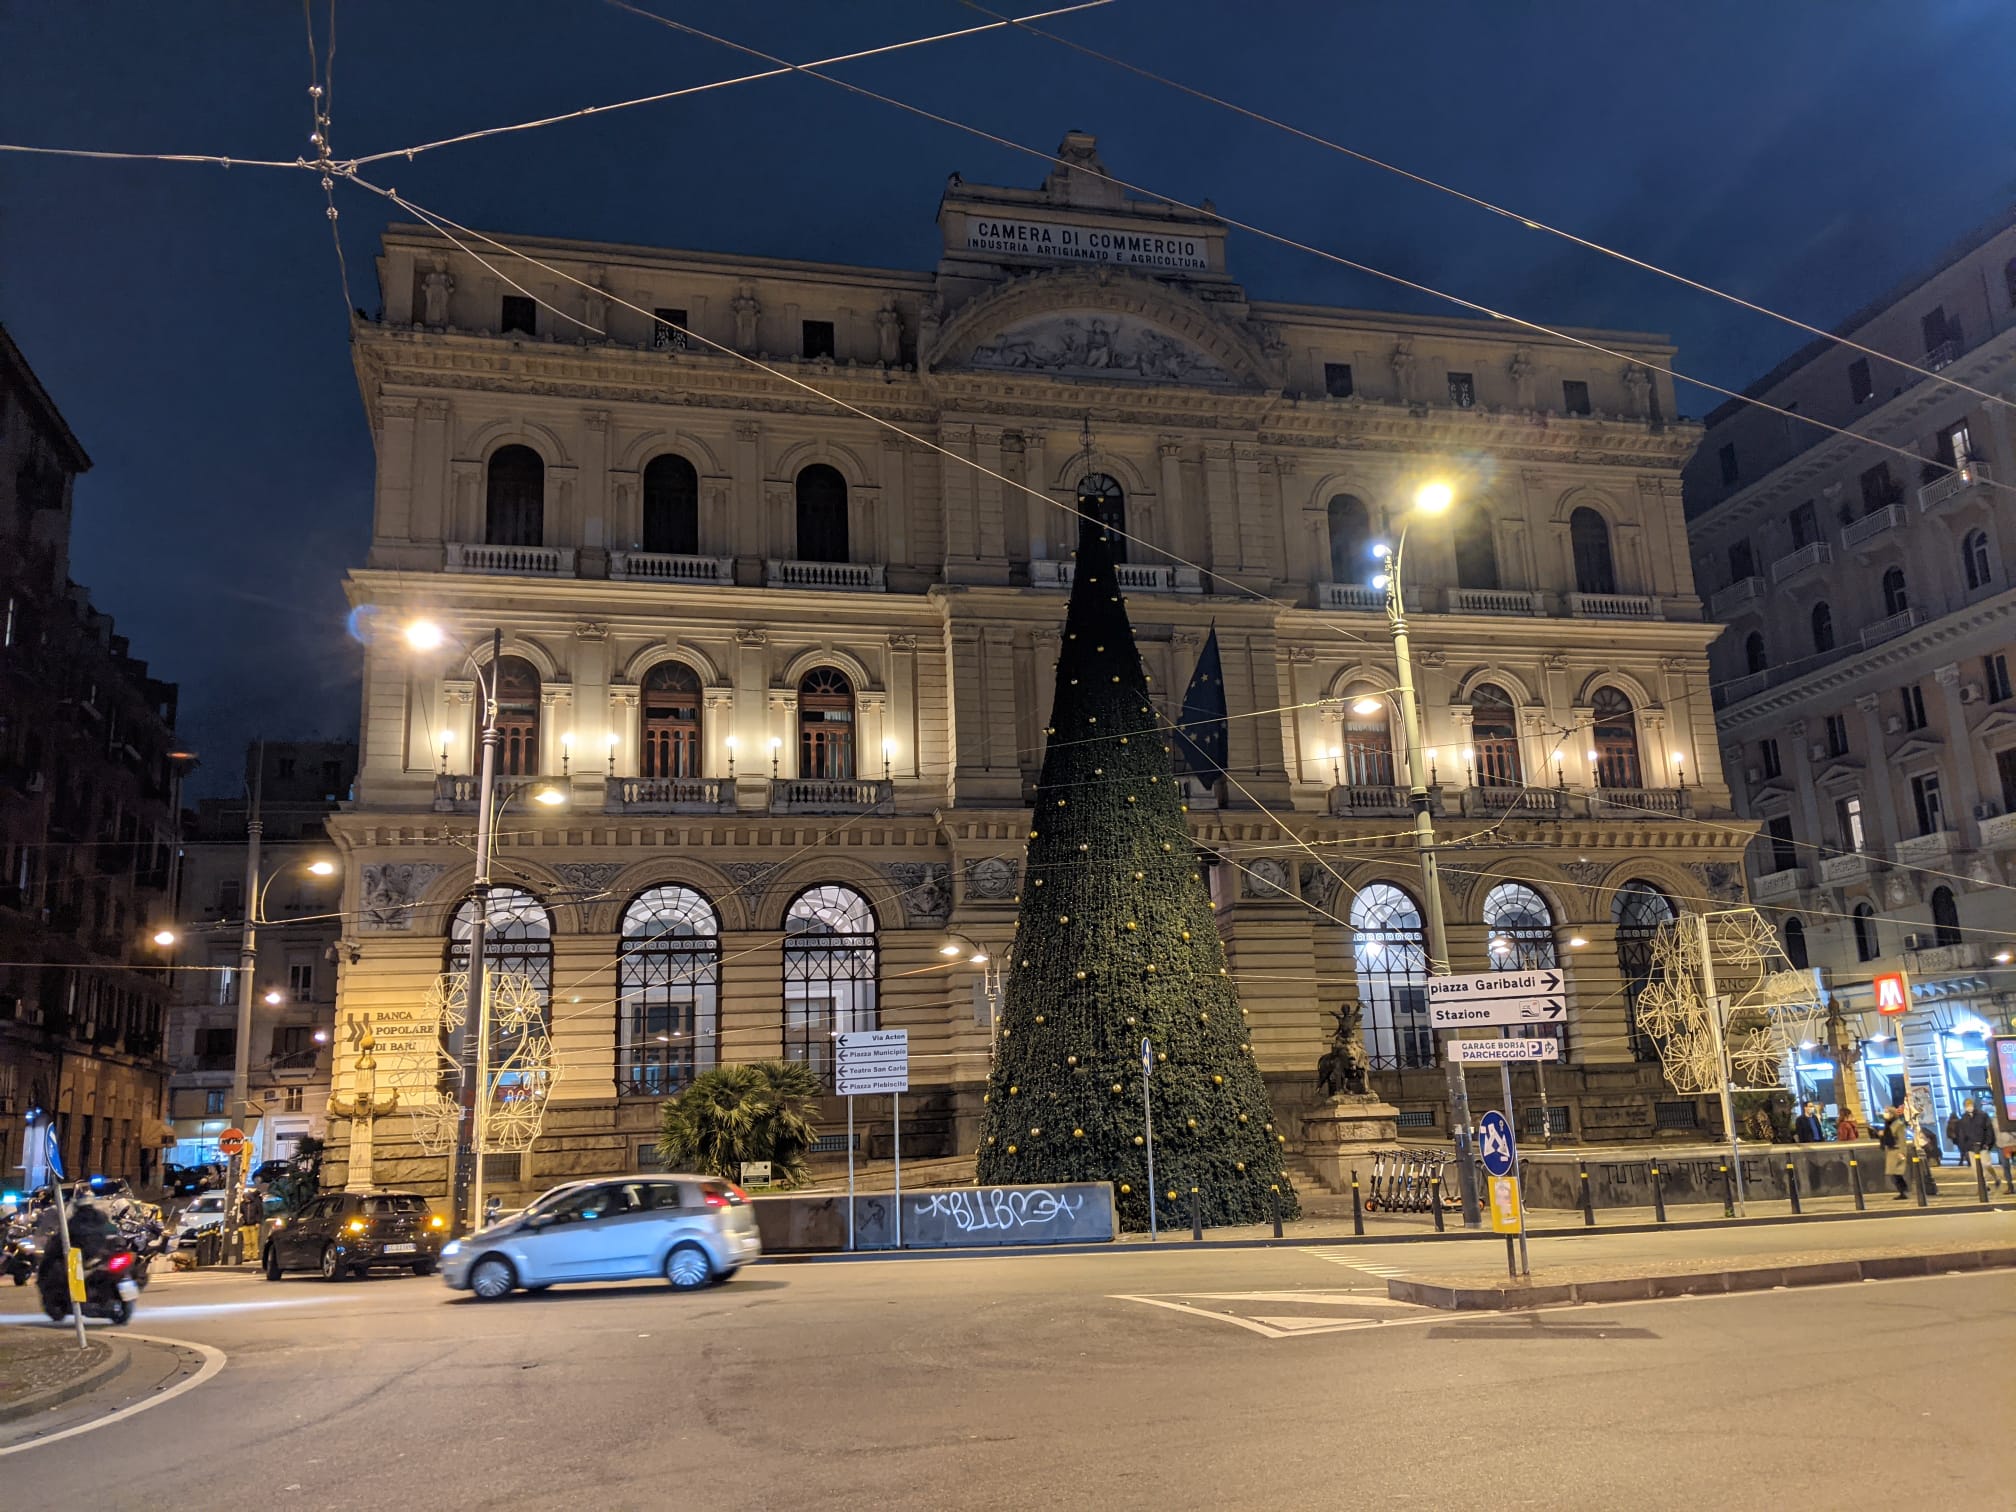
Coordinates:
(1863,685)
(88,783)
(294,976)
(789,657)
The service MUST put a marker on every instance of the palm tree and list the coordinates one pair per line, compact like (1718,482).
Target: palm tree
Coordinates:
(751,1112)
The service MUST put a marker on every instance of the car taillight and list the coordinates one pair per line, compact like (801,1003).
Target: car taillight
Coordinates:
(437,1221)
(716,1200)
(118,1262)
(736,1195)
(356,1225)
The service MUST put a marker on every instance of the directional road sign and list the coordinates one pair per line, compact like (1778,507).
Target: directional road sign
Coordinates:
(1496,998)
(870,1062)
(1469,1052)
(1494,1143)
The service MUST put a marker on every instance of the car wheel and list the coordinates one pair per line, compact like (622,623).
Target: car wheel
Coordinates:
(332,1266)
(492,1278)
(423,1267)
(688,1268)
(272,1263)
(120,1312)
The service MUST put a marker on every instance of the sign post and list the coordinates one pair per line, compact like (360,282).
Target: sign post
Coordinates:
(1148,1131)
(1494,999)
(872,1063)
(1892,991)
(73,1263)
(1499,1147)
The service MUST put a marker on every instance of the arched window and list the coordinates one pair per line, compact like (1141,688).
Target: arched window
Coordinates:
(1104,499)
(517,695)
(1589,536)
(672,506)
(1520,937)
(517,941)
(826,726)
(822,515)
(1867,945)
(1974,557)
(1614,732)
(1392,960)
(1823,627)
(1350,539)
(1895,599)
(1638,910)
(1754,659)
(1795,944)
(1945,918)
(1476,550)
(1366,757)
(515,498)
(830,969)
(1494,737)
(668,974)
(671,721)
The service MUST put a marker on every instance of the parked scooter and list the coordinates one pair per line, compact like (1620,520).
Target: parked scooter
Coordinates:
(21,1252)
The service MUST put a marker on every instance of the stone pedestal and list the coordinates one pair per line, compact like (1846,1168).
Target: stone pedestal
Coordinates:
(1340,1134)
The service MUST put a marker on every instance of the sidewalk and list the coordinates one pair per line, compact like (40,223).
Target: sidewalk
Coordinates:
(41,1367)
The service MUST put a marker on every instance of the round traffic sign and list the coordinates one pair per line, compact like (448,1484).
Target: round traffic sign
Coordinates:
(231,1142)
(1494,1143)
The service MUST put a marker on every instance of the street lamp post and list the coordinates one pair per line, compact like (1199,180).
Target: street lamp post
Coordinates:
(992,979)
(1432,499)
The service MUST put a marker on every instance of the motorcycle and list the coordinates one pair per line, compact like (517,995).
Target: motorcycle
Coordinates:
(109,1286)
(148,1238)
(21,1255)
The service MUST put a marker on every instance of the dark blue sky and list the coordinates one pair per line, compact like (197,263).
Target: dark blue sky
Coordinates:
(188,320)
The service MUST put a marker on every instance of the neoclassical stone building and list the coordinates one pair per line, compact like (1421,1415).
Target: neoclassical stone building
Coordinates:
(778,551)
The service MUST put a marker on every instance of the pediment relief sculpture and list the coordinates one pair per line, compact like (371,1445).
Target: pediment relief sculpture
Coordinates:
(1095,344)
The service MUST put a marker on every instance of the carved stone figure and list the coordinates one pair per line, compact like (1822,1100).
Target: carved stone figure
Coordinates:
(990,877)
(1343,1069)
(889,332)
(595,305)
(1638,385)
(434,291)
(1111,346)
(391,890)
(1402,360)
(746,307)
(1266,878)
(926,887)
(1521,369)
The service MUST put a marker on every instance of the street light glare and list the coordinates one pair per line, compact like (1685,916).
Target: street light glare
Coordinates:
(274,998)
(978,958)
(550,796)
(425,635)
(164,937)
(948,950)
(1433,498)
(1366,706)
(322,868)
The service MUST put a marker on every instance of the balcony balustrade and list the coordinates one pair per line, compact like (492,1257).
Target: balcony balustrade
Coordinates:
(1954,486)
(1368,802)
(1998,832)
(1135,577)
(1362,597)
(833,577)
(1492,601)
(1933,850)
(1897,624)
(667,795)
(1848,869)
(458,793)
(1778,886)
(1613,606)
(1872,527)
(827,795)
(1968,956)
(1638,803)
(1813,554)
(1519,802)
(1741,595)
(509,561)
(670,567)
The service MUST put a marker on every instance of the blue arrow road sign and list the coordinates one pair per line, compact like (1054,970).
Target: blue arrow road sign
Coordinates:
(1147,1060)
(55,1153)
(1494,1143)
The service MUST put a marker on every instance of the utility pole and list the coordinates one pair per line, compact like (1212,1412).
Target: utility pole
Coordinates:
(1723,1073)
(467,1172)
(248,966)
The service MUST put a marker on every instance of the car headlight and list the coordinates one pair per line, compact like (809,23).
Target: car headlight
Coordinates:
(451,1248)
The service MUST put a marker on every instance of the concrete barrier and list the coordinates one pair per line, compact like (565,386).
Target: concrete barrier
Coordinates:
(943,1218)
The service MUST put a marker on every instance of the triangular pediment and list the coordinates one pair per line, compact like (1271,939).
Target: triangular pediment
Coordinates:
(1838,774)
(1916,748)
(1999,727)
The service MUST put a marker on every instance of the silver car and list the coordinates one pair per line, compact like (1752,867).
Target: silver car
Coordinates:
(692,1230)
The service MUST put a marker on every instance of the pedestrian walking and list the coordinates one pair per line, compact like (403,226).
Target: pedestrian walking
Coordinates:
(1928,1142)
(1894,1137)
(1973,1133)
(1845,1127)
(1806,1127)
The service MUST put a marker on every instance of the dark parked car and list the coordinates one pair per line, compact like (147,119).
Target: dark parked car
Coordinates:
(347,1233)
(267,1170)
(184,1181)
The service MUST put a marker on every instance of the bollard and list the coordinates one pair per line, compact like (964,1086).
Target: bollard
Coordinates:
(1728,1192)
(1855,1183)
(1435,1200)
(1658,1197)
(1274,1203)
(1981,1178)
(1196,1216)
(1357,1208)
(1918,1177)
(1792,1184)
(2008,1173)
(1588,1201)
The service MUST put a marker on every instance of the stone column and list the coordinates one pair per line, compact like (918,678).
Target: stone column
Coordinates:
(752,716)
(1966,752)
(962,542)
(750,541)
(591,528)
(717,717)
(623,724)
(1221,510)
(1175,528)
(1802,780)
(1878,770)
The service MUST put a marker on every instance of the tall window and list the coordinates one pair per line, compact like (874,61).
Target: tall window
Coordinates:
(1895,599)
(826,725)
(1367,755)
(671,720)
(514,511)
(1995,677)
(1638,910)
(1102,498)
(1913,698)
(671,506)
(830,970)
(668,978)
(1795,944)
(518,941)
(1867,946)
(1945,917)
(1848,815)
(1392,960)
(1589,535)
(517,717)
(822,515)
(1350,539)
(1804,524)
(1929,803)
(1754,657)
(1614,731)
(1879,489)
(1476,551)
(1784,848)
(1974,558)
(1860,385)
(1823,627)
(1521,938)
(1494,737)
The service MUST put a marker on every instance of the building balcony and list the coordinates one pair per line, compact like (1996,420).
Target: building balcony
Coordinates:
(1971,956)
(1361,597)
(1847,869)
(1518,802)
(458,793)
(1369,802)
(1934,850)
(1943,355)
(1639,803)
(1198,794)
(827,795)
(1894,626)
(1736,689)
(670,567)
(1955,488)
(1872,527)
(1135,577)
(667,795)
(833,577)
(1739,597)
(1639,606)
(1998,832)
(1813,554)
(1778,886)
(1493,601)
(509,561)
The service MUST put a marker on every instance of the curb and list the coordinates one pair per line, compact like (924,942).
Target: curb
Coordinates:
(113,1365)
(1509,1298)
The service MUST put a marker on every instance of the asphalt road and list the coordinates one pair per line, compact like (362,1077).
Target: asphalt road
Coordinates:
(1270,1378)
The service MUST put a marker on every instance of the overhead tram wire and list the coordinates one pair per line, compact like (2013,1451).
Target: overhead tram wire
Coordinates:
(1531,223)
(1398,280)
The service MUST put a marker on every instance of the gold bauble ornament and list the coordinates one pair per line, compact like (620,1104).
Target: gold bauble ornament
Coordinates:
(1081,976)
(1062,801)
(1014,1091)
(1011,1149)
(1116,1089)
(1035,1132)
(1130,797)
(1242,1118)
(1077,1133)
(1140,876)
(1070,1060)
(1217,1081)
(1151,965)
(1238,1165)
(1190,1123)
(1137,1139)
(1129,1021)
(1131,926)
(1039,1018)
(1159,1056)
(1063,918)
(1125,1189)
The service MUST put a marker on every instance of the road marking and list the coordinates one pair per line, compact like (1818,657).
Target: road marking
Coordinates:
(1276,1326)
(206,1309)
(213,1361)
(1350,1258)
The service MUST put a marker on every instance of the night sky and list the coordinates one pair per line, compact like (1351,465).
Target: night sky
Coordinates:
(189,320)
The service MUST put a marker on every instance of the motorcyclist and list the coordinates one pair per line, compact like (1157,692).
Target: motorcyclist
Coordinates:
(92,1231)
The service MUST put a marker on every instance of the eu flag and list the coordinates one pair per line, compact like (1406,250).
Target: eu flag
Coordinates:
(1201,737)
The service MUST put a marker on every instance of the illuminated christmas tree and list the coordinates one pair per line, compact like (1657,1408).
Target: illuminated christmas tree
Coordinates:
(1117,943)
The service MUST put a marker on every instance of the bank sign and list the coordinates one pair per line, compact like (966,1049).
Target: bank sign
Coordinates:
(1091,244)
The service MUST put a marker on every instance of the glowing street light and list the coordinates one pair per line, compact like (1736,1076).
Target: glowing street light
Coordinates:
(1433,498)
(425,635)
(165,937)
(322,868)
(1367,706)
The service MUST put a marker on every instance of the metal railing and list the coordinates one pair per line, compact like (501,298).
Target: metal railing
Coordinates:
(1877,522)
(1955,483)
(1895,625)
(1812,554)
